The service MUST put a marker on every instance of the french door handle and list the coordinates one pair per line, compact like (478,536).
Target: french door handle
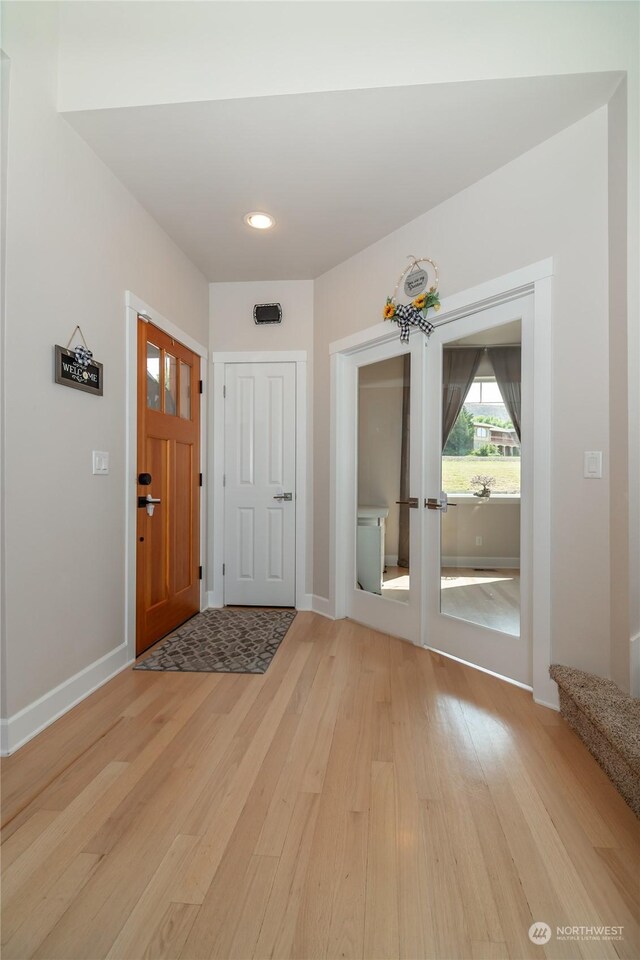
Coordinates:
(283,496)
(412,502)
(434,504)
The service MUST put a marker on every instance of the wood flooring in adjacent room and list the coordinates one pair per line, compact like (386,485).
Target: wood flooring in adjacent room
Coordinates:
(363,798)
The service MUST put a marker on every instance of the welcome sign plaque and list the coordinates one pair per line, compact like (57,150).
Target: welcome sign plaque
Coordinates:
(69,373)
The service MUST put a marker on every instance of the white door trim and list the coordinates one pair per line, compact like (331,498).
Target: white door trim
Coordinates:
(536,279)
(133,308)
(215,597)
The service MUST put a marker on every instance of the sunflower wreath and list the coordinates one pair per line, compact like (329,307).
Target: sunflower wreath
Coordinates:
(414,314)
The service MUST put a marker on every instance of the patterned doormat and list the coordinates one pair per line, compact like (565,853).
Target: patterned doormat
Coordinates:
(222,641)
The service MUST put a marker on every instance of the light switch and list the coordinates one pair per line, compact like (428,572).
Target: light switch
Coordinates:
(100,462)
(593,464)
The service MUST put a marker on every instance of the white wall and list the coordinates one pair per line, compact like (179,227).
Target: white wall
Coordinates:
(551,202)
(232,326)
(76,240)
(125,54)
(496,520)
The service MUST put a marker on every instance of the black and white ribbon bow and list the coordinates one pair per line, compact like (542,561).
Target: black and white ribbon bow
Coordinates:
(407,315)
(83,356)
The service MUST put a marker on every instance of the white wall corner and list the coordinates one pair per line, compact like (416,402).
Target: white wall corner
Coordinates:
(322,605)
(34,718)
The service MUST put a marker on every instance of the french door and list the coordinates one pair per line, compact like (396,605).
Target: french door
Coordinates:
(477,550)
(428,559)
(168,515)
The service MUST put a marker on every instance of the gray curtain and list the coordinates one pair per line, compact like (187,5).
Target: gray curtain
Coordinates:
(459,365)
(403,519)
(507,367)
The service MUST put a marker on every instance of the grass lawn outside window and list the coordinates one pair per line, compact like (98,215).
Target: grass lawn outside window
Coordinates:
(457,472)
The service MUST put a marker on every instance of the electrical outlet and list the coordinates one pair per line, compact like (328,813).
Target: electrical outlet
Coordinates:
(478,541)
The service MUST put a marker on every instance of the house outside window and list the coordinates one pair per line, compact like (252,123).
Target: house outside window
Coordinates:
(483,440)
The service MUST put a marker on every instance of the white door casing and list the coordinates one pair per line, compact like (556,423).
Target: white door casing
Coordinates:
(260,466)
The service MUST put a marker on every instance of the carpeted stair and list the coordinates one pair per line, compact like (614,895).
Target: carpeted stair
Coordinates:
(608,721)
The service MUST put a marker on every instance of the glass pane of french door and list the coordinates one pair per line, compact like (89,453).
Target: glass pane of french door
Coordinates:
(480,475)
(383,467)
(383,543)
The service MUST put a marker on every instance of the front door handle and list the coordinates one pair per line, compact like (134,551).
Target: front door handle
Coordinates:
(149,502)
(283,496)
(412,503)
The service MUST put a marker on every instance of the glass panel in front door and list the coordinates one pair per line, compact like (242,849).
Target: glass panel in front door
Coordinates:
(170,385)
(382,534)
(480,525)
(185,391)
(153,376)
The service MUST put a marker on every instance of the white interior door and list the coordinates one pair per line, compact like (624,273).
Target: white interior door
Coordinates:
(259,491)
(477,550)
(383,529)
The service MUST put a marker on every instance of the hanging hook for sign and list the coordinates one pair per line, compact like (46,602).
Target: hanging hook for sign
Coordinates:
(82,354)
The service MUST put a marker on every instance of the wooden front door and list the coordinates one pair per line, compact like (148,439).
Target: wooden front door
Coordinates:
(168,553)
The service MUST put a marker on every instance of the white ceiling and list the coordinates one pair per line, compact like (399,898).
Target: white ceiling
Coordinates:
(338,170)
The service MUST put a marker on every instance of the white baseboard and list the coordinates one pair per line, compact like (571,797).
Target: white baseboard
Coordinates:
(391,560)
(322,606)
(24,725)
(213,601)
(554,705)
(634,679)
(304,602)
(498,563)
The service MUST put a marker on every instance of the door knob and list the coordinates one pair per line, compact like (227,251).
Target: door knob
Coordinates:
(283,496)
(412,502)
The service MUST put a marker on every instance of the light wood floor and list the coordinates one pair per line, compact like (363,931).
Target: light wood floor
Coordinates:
(490,598)
(363,798)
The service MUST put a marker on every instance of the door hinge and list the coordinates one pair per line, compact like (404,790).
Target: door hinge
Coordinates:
(199,573)
(223,569)
(224,479)
(224,392)
(200,386)
(200,483)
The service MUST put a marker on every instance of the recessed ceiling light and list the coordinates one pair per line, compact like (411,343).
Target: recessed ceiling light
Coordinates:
(259,221)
